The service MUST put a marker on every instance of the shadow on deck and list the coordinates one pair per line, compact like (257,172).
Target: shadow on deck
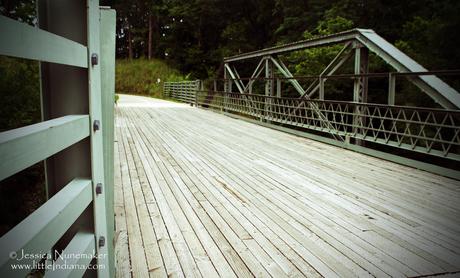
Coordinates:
(201,194)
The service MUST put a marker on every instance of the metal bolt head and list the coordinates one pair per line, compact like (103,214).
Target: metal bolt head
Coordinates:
(96,125)
(94,59)
(101,241)
(98,188)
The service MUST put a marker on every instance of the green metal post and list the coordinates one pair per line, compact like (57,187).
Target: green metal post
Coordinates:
(97,152)
(360,87)
(107,38)
(278,87)
(321,88)
(226,88)
(269,88)
(391,89)
(64,91)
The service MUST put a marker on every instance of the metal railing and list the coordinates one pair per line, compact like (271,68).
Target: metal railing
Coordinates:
(182,90)
(77,218)
(429,131)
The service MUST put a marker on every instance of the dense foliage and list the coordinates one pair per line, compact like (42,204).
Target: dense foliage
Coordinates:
(19,88)
(142,76)
(194,35)
(22,193)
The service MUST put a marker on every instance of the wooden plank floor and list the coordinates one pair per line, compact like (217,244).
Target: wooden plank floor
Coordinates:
(201,194)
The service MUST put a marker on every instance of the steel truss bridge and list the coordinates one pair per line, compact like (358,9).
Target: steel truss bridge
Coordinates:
(201,194)
(430,135)
(163,189)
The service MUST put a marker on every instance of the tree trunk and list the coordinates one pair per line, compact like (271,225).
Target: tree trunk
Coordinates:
(150,36)
(199,34)
(155,33)
(130,45)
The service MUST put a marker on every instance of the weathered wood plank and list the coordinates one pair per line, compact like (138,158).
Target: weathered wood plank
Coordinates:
(149,238)
(255,247)
(208,246)
(254,201)
(136,248)
(122,263)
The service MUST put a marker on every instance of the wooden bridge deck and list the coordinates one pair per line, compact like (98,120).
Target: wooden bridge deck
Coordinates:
(201,194)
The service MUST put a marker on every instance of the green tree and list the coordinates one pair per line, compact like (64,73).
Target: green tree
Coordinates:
(313,61)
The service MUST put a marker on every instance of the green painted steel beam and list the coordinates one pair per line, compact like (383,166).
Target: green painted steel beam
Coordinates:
(286,73)
(108,22)
(96,138)
(434,87)
(280,49)
(437,89)
(233,76)
(44,227)
(81,250)
(391,89)
(25,146)
(24,41)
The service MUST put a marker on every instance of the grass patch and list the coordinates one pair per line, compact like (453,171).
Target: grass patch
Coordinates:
(141,76)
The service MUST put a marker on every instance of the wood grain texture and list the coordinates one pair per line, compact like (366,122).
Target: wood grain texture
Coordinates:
(208,195)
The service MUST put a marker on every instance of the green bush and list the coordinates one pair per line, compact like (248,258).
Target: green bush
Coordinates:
(141,76)
(20,91)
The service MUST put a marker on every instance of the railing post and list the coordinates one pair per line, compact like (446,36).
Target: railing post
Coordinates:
(77,118)
(360,89)
(269,87)
(59,99)
(97,152)
(278,87)
(227,88)
(108,23)
(321,88)
(391,88)
(198,86)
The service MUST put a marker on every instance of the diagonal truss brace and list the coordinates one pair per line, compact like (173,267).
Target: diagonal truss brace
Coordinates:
(330,69)
(241,87)
(234,78)
(324,121)
(285,71)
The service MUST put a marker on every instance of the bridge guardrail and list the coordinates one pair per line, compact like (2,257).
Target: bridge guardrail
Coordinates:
(429,131)
(182,90)
(77,217)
